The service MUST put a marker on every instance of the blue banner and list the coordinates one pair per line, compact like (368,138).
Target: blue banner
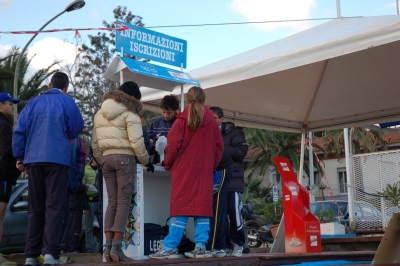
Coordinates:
(152,45)
(158,71)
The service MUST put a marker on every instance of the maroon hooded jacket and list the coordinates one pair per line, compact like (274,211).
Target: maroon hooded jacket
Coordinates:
(192,156)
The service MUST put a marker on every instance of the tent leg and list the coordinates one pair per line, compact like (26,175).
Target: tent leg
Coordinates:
(301,170)
(182,99)
(182,94)
(349,175)
(311,157)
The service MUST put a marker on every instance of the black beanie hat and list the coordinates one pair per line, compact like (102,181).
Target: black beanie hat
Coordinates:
(132,89)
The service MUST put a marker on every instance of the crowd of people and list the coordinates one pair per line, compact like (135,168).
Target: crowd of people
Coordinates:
(203,153)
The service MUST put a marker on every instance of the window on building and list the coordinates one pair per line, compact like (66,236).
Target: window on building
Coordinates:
(342,180)
(317,178)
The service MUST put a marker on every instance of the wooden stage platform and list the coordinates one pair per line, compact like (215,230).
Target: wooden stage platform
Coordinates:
(251,259)
(360,248)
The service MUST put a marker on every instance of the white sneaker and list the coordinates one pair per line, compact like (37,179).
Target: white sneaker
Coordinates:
(31,262)
(219,253)
(162,253)
(237,250)
(50,260)
(199,252)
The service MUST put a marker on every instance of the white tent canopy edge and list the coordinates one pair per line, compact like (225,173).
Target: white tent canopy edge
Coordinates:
(258,86)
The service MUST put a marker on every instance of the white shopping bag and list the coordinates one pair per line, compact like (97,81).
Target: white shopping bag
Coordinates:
(161,143)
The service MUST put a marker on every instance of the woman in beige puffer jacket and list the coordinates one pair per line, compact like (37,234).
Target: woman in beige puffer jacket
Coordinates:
(116,140)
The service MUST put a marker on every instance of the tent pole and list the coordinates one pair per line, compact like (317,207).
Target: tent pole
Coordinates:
(397,6)
(311,157)
(182,99)
(121,74)
(301,170)
(182,94)
(349,175)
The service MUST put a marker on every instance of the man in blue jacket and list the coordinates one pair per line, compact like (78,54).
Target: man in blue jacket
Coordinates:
(41,144)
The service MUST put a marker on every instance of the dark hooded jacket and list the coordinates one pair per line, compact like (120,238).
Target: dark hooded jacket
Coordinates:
(235,144)
(8,170)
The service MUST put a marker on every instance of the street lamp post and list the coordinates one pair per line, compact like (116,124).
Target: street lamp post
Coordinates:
(75,5)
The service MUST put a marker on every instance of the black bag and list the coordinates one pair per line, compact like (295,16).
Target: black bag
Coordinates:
(153,233)
(185,245)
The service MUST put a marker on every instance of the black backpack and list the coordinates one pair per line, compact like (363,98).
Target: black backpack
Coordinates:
(153,233)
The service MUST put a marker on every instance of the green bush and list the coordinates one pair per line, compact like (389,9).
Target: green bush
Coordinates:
(272,212)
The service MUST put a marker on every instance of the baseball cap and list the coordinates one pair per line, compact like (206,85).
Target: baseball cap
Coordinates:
(7,97)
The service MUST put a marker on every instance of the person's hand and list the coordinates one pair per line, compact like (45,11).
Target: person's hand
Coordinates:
(150,167)
(20,166)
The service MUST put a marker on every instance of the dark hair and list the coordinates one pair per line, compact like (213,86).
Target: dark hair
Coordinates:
(195,98)
(218,111)
(170,102)
(59,80)
(132,89)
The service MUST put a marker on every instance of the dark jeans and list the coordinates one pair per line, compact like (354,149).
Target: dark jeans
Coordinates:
(66,218)
(219,223)
(47,190)
(73,230)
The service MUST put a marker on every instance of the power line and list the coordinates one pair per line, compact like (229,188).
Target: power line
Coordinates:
(241,23)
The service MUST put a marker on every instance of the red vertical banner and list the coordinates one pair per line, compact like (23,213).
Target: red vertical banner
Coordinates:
(302,228)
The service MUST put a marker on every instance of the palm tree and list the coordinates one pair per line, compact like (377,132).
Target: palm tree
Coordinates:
(362,141)
(27,87)
(267,144)
(5,74)
(252,191)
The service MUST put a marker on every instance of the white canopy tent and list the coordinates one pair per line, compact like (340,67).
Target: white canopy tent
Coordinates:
(343,73)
